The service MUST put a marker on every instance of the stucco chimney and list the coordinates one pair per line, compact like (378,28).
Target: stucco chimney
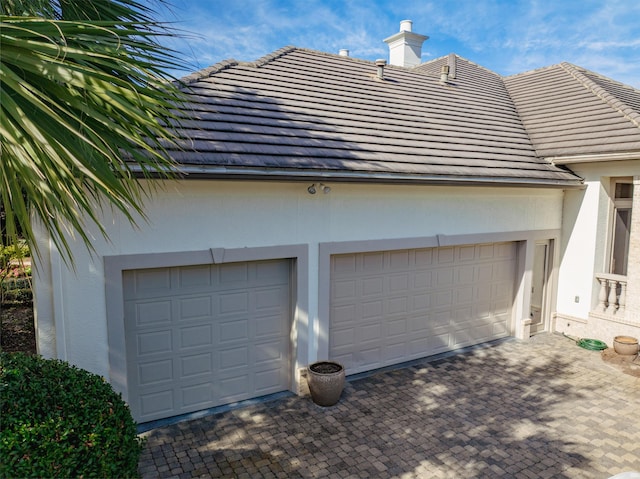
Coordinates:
(405,47)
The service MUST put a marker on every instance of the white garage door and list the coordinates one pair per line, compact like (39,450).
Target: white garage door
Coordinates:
(393,306)
(202,336)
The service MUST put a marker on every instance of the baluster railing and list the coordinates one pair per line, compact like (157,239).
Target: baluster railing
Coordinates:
(612,297)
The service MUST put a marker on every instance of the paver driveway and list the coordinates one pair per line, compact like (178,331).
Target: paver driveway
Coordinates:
(539,409)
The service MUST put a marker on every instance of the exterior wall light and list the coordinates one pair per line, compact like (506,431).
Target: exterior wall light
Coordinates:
(312,189)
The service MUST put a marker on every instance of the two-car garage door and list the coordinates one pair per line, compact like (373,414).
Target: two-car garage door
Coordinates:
(202,336)
(393,306)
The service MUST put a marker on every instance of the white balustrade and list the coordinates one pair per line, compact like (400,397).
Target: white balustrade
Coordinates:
(612,297)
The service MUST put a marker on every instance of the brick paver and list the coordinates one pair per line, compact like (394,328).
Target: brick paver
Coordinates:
(539,409)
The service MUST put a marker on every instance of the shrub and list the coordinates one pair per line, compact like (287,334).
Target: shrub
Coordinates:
(62,421)
(15,274)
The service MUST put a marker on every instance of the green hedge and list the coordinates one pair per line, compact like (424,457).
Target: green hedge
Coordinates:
(61,421)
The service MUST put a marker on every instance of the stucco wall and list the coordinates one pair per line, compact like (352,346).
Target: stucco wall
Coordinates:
(585,250)
(197,215)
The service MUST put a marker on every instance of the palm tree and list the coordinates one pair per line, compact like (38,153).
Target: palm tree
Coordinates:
(85,110)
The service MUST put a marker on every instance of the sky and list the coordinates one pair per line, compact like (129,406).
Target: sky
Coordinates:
(506,36)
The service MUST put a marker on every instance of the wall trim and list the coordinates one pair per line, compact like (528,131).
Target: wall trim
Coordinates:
(115,265)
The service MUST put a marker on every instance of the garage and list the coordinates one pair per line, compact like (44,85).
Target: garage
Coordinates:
(206,335)
(388,307)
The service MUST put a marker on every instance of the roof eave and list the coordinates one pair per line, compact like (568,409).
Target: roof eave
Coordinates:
(594,158)
(273,174)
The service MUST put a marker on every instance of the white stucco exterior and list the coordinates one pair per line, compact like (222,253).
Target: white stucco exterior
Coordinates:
(198,215)
(585,252)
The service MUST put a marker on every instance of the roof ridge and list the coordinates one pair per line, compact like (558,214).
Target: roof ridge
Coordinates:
(609,98)
(529,72)
(269,57)
(209,71)
(262,61)
(230,63)
(457,59)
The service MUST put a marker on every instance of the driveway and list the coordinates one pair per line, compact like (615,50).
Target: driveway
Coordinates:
(538,409)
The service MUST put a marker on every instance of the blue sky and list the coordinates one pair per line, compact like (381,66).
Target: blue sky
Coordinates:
(506,36)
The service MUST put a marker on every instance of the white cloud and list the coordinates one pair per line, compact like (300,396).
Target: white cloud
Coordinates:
(507,36)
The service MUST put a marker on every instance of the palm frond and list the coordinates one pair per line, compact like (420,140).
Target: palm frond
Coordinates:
(85,101)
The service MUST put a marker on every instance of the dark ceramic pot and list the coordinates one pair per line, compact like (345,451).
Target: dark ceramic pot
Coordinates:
(326,382)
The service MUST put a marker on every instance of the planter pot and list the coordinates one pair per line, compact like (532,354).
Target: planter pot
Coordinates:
(326,382)
(625,345)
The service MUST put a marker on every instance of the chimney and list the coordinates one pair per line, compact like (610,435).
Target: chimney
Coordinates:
(405,47)
(344,52)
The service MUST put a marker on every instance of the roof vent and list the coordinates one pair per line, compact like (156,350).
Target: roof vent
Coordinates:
(344,52)
(444,74)
(381,63)
(405,47)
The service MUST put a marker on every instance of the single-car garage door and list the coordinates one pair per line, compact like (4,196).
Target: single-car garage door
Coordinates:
(202,336)
(393,306)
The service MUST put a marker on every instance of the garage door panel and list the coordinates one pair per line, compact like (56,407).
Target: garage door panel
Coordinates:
(157,403)
(342,338)
(151,313)
(465,274)
(345,289)
(372,261)
(194,278)
(266,271)
(420,303)
(399,283)
(194,337)
(268,381)
(269,299)
(232,331)
(444,256)
(198,395)
(233,303)
(399,260)
(155,373)
(195,308)
(466,253)
(147,283)
(343,314)
(369,332)
(422,279)
(267,353)
(437,343)
(268,326)
(233,273)
(397,327)
(219,334)
(154,342)
(196,365)
(442,298)
(372,286)
(233,359)
(345,264)
(401,305)
(372,309)
(233,388)
(444,277)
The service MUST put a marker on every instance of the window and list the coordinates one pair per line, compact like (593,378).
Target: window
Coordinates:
(622,200)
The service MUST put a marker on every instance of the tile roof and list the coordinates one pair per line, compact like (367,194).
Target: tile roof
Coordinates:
(300,113)
(568,111)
